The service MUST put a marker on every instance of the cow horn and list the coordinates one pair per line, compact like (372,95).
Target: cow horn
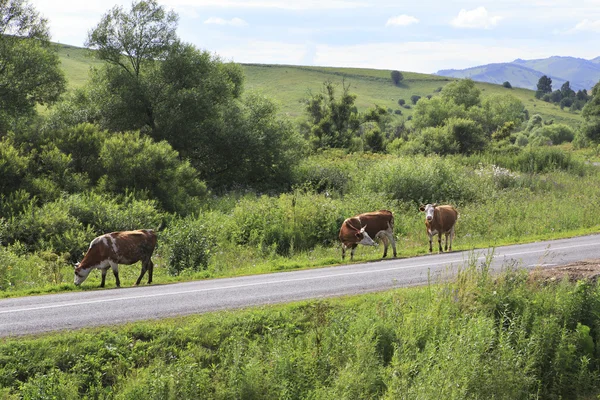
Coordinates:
(363,229)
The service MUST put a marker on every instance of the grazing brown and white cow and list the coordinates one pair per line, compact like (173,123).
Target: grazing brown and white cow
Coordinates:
(112,249)
(440,220)
(361,228)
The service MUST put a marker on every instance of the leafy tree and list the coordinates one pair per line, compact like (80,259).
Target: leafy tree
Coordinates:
(30,71)
(415,98)
(397,77)
(566,91)
(507,85)
(128,40)
(132,162)
(591,114)
(333,122)
(468,134)
(435,111)
(401,102)
(544,86)
(462,92)
(496,111)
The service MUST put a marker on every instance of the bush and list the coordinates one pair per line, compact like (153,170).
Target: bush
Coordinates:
(421,179)
(557,133)
(136,163)
(186,246)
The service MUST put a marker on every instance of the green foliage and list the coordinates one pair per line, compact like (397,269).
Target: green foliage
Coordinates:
(462,92)
(134,162)
(30,71)
(13,167)
(421,180)
(556,133)
(396,77)
(544,86)
(479,336)
(186,245)
(507,85)
(129,40)
(333,122)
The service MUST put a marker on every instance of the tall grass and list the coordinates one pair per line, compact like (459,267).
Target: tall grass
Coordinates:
(478,336)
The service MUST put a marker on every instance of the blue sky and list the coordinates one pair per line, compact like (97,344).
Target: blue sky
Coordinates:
(419,35)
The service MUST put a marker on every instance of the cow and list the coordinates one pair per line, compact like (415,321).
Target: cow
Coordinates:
(362,228)
(439,220)
(112,249)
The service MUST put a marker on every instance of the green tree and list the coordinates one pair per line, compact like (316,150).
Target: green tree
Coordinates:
(507,85)
(435,111)
(544,86)
(397,77)
(462,92)
(591,114)
(131,39)
(332,122)
(566,91)
(30,71)
(132,162)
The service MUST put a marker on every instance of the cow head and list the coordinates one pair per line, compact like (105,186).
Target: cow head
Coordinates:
(81,274)
(363,237)
(429,210)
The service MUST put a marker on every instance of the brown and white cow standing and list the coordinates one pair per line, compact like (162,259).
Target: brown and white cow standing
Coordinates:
(440,220)
(112,249)
(361,228)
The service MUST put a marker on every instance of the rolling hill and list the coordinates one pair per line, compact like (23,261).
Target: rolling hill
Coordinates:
(581,73)
(289,85)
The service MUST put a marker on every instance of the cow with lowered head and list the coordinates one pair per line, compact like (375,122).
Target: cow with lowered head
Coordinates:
(110,250)
(362,228)
(439,220)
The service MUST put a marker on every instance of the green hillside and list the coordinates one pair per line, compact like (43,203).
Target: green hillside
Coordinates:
(289,85)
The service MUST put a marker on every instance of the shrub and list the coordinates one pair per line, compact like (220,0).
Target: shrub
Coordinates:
(507,85)
(557,133)
(421,180)
(136,163)
(187,245)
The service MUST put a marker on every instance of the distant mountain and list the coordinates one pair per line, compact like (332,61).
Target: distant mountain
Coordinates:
(581,73)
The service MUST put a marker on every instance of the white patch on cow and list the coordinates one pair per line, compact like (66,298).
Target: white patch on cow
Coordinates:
(429,210)
(114,245)
(366,240)
(82,274)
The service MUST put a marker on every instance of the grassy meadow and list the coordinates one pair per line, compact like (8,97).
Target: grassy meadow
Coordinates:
(290,85)
(479,336)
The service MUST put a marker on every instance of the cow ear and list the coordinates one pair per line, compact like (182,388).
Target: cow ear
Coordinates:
(422,208)
(435,205)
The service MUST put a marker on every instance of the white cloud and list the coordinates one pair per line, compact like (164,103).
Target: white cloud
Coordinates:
(401,20)
(281,4)
(588,26)
(476,18)
(221,21)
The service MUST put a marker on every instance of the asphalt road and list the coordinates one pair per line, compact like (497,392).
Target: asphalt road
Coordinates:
(68,311)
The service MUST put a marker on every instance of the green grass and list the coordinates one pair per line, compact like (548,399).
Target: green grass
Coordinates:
(480,336)
(76,63)
(289,85)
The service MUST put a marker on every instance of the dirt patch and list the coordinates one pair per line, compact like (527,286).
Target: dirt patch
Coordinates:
(586,269)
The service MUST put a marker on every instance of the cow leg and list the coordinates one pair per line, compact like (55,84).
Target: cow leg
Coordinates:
(150,270)
(343,251)
(440,242)
(144,268)
(430,241)
(393,240)
(115,269)
(104,271)
(352,252)
(383,236)
(451,237)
